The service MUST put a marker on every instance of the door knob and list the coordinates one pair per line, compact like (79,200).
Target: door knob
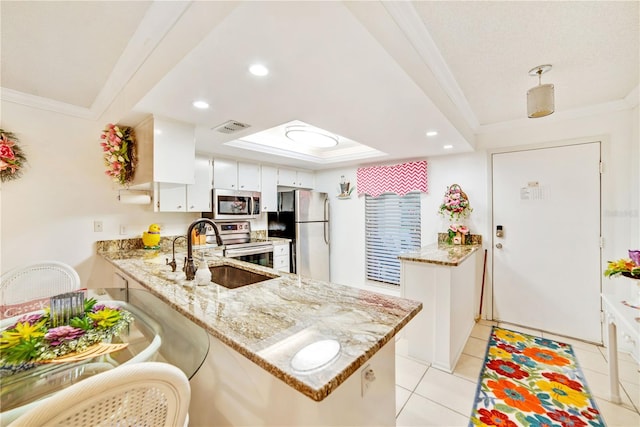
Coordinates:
(499,245)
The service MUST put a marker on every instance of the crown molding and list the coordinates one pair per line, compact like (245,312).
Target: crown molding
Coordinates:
(559,116)
(48,104)
(410,23)
(154,26)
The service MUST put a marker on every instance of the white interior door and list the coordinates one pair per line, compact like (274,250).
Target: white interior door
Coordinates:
(546,266)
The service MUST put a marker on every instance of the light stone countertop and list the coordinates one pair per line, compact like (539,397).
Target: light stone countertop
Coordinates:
(441,254)
(270,321)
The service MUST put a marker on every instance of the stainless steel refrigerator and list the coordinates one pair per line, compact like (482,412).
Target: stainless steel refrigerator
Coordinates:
(303,217)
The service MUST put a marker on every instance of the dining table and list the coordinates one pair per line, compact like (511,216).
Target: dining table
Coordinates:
(157,333)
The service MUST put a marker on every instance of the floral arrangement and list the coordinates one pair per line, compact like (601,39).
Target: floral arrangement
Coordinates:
(12,158)
(623,266)
(33,338)
(119,152)
(455,204)
(455,230)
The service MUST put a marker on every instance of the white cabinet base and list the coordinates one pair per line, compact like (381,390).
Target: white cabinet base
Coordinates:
(230,390)
(439,332)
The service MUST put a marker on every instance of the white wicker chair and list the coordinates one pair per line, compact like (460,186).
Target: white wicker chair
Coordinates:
(150,394)
(36,281)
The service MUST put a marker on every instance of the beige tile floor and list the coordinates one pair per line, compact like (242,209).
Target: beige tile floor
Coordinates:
(426,396)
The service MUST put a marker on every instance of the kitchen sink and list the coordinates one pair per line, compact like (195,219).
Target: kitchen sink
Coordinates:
(233,277)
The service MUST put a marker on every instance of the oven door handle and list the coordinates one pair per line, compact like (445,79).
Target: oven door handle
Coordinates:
(234,253)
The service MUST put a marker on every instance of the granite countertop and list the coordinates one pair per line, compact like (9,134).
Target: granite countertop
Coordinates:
(270,321)
(441,254)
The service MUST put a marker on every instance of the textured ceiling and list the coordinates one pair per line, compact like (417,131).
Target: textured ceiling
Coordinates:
(490,47)
(380,73)
(64,50)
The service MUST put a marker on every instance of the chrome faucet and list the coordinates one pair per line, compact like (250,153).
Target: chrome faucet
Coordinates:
(189,266)
(173,254)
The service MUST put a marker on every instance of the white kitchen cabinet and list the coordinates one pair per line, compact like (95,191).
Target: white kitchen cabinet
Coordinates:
(305,179)
(194,197)
(269,185)
(233,175)
(281,255)
(171,197)
(165,151)
(199,193)
(225,174)
(248,176)
(295,178)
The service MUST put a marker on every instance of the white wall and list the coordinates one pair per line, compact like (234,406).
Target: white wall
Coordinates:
(48,213)
(620,189)
(347,216)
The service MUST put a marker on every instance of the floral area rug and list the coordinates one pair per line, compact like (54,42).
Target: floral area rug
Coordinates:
(533,382)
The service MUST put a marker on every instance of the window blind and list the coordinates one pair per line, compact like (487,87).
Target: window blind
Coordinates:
(392,227)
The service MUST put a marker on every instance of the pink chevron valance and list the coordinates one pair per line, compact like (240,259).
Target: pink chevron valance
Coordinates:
(400,179)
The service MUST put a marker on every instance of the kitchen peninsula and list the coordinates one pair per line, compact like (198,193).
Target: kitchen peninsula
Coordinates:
(285,351)
(444,277)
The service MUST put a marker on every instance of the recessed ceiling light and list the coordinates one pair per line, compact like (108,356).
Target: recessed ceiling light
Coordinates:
(447,147)
(258,70)
(309,136)
(203,105)
(432,133)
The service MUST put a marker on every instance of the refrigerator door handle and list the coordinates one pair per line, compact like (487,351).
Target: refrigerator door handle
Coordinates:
(294,264)
(327,237)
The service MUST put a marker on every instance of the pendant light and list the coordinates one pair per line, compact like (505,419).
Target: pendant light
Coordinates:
(540,99)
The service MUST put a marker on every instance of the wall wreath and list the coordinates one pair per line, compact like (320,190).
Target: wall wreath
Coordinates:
(119,149)
(12,158)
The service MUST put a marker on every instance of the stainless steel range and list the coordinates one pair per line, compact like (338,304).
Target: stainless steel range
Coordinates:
(238,244)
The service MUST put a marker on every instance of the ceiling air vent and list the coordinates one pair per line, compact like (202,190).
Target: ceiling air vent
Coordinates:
(230,126)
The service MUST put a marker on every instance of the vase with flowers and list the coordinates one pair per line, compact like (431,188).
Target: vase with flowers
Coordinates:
(118,145)
(628,267)
(35,337)
(455,205)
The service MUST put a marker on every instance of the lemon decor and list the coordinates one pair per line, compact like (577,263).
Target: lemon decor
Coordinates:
(34,339)
(151,238)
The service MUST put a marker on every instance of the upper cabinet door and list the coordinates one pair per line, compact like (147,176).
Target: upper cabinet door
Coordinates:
(171,197)
(305,179)
(295,178)
(269,181)
(225,174)
(287,177)
(199,194)
(248,176)
(166,150)
(174,151)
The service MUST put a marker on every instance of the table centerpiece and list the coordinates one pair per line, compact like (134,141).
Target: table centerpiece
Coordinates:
(34,339)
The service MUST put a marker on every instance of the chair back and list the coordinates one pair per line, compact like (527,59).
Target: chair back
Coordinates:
(150,394)
(36,281)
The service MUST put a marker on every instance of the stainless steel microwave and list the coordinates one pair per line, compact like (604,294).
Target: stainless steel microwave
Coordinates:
(231,204)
